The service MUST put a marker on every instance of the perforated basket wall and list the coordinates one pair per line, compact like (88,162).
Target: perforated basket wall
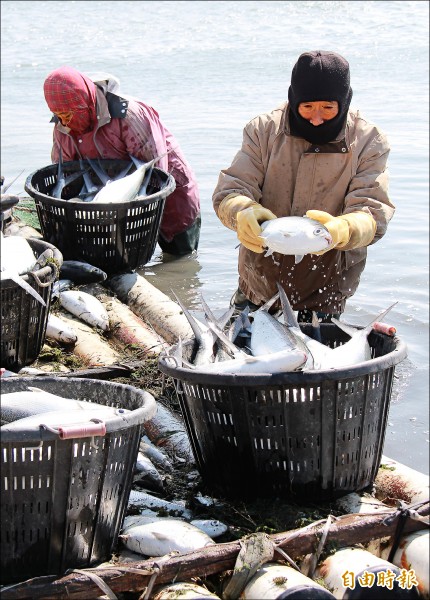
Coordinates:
(314,435)
(23,318)
(63,501)
(114,237)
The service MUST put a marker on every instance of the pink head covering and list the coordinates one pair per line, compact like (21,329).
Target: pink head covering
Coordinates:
(67,90)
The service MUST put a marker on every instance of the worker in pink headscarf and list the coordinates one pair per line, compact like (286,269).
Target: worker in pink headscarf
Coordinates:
(94,121)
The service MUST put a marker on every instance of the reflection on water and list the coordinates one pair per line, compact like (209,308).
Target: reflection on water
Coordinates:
(180,274)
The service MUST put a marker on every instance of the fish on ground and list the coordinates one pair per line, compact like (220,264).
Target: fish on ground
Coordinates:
(162,536)
(295,236)
(59,331)
(167,431)
(155,454)
(146,474)
(61,285)
(81,272)
(85,307)
(143,500)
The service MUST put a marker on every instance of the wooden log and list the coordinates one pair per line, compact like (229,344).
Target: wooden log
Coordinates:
(345,531)
(152,306)
(126,327)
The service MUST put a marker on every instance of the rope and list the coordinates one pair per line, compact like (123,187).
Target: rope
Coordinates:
(98,581)
(403,513)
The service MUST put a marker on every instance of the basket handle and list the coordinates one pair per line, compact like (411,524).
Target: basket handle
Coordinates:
(55,272)
(96,427)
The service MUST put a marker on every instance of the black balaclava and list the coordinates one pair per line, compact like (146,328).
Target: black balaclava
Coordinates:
(319,76)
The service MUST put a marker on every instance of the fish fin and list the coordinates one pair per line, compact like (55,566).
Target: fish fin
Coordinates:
(289,316)
(348,329)
(194,323)
(268,253)
(316,327)
(161,537)
(381,316)
(224,339)
(25,286)
(298,258)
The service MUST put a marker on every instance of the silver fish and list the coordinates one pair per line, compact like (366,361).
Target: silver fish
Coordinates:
(61,285)
(156,455)
(203,335)
(33,401)
(143,500)
(161,536)
(147,474)
(126,188)
(269,335)
(62,180)
(357,349)
(295,236)
(61,418)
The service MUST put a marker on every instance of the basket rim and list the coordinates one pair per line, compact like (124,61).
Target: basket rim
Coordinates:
(35,434)
(301,378)
(49,200)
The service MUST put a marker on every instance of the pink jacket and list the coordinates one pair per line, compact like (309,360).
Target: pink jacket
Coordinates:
(128,126)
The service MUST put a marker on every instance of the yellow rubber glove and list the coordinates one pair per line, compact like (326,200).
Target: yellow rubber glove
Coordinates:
(353,230)
(244,215)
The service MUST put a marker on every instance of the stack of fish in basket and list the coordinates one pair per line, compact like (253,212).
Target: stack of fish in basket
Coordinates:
(104,212)
(286,410)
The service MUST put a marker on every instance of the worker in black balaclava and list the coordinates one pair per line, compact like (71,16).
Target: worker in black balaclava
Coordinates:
(312,156)
(319,78)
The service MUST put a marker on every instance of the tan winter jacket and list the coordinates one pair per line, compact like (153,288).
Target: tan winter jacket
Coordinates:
(289,176)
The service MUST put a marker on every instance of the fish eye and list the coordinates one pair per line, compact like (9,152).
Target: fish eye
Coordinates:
(318,230)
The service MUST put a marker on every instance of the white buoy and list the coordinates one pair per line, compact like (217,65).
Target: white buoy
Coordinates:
(413,553)
(354,573)
(275,581)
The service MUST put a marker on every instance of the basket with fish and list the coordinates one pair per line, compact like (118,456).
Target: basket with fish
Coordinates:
(105,212)
(29,267)
(68,454)
(297,411)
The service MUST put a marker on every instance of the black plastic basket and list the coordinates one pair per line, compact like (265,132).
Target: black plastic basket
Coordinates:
(63,500)
(114,237)
(23,318)
(311,435)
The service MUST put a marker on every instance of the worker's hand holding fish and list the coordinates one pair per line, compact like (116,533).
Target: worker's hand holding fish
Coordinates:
(244,215)
(353,230)
(295,236)
(249,228)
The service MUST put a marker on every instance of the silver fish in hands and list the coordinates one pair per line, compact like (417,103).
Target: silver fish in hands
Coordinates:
(295,236)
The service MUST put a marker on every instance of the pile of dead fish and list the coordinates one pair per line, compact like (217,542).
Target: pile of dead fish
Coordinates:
(258,342)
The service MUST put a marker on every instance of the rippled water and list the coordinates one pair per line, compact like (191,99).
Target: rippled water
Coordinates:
(209,67)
